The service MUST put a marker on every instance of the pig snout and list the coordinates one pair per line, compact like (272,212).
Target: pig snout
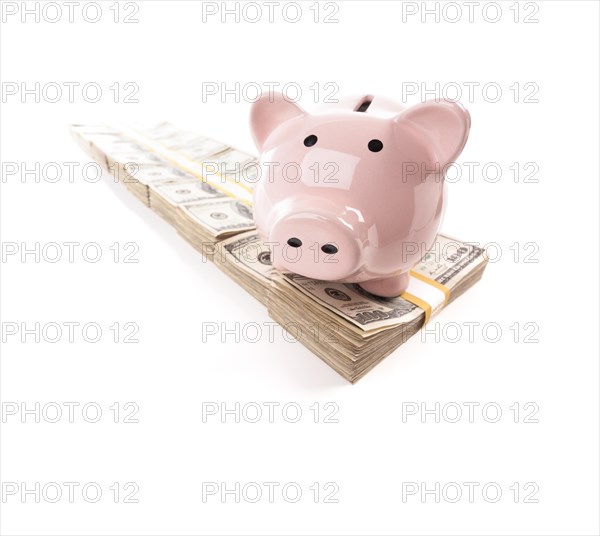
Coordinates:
(314,245)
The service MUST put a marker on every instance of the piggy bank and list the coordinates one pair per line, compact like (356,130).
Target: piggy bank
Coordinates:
(354,192)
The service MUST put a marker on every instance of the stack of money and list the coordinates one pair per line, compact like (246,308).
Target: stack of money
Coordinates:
(247,260)
(166,169)
(348,328)
(203,188)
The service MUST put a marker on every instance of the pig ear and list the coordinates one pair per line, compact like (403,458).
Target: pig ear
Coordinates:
(267,113)
(446,123)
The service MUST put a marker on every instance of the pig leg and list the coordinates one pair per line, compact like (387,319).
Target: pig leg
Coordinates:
(387,287)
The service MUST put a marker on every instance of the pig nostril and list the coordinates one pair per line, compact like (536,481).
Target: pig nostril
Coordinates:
(294,242)
(330,249)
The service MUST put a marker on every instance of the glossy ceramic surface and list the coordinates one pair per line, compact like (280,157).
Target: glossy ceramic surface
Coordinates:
(355,191)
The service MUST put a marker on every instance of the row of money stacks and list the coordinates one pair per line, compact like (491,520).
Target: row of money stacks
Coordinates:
(203,188)
(199,185)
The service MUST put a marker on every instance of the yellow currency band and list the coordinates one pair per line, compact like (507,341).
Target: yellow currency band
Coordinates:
(419,303)
(433,283)
(192,172)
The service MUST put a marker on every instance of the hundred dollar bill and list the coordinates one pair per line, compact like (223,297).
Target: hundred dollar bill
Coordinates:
(369,312)
(115,143)
(169,136)
(231,160)
(175,139)
(200,148)
(178,140)
(150,174)
(122,150)
(450,261)
(353,304)
(233,165)
(220,216)
(249,253)
(185,191)
(198,155)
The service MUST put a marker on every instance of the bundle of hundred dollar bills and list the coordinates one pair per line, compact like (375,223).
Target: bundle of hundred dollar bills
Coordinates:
(203,188)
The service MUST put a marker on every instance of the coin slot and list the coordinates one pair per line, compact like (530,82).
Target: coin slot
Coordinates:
(364,104)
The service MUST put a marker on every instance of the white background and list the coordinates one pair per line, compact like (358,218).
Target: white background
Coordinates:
(171,293)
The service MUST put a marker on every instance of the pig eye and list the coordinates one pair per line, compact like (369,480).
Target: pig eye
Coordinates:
(375,146)
(309,141)
(294,242)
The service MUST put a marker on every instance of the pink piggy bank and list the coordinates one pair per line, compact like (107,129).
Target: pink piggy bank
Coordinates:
(354,193)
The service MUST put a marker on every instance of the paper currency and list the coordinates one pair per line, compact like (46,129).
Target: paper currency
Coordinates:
(247,260)
(221,217)
(202,187)
(448,263)
(187,191)
(250,254)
